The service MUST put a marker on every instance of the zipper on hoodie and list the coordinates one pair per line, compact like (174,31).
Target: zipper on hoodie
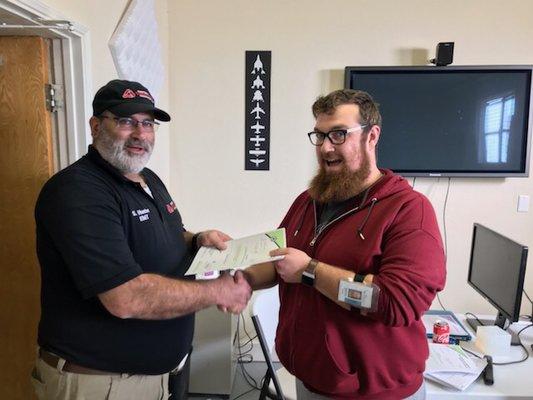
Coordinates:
(317,234)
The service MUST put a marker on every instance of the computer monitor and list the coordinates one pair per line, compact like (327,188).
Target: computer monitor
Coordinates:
(497,269)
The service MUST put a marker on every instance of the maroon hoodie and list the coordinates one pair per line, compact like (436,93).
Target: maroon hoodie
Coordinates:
(391,233)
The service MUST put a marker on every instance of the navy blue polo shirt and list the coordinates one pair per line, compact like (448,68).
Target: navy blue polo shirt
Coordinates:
(95,231)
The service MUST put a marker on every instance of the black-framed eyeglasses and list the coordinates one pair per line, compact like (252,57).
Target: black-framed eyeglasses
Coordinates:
(336,136)
(130,124)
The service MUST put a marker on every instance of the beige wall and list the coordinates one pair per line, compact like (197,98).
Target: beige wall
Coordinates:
(201,154)
(311,43)
(101,17)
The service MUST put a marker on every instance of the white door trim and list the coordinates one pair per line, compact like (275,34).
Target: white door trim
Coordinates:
(76,67)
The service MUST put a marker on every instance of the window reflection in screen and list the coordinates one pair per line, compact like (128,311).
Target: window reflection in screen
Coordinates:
(498,116)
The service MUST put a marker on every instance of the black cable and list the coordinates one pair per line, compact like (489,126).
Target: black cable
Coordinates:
(414,181)
(517,361)
(444,219)
(440,302)
(471,352)
(475,317)
(506,363)
(481,322)
(244,328)
(445,233)
(521,345)
(248,342)
(246,375)
(242,394)
(527,296)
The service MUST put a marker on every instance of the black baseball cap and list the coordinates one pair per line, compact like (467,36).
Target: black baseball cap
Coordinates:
(125,98)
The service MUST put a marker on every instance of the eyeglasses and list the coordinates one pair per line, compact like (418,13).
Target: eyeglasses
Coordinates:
(129,124)
(336,136)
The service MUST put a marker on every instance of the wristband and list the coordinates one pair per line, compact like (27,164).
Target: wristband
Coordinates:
(194,242)
(308,276)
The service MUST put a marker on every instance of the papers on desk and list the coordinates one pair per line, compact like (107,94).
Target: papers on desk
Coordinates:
(239,254)
(452,367)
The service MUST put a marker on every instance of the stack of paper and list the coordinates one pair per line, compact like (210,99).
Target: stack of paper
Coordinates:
(452,367)
(240,253)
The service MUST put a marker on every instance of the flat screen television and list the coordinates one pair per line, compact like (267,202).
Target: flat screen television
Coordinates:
(472,121)
(497,271)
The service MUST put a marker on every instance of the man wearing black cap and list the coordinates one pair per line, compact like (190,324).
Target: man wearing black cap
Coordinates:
(117,313)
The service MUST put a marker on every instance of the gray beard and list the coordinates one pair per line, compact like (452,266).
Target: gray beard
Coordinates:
(114,152)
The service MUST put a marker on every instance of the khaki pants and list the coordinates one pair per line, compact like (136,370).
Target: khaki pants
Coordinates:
(54,384)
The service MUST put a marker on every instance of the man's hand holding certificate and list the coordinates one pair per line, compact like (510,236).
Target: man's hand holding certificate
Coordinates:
(239,254)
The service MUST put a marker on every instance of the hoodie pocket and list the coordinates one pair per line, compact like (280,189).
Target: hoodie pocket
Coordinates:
(319,368)
(338,353)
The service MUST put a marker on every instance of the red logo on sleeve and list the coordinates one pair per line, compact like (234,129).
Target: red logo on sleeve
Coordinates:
(171,207)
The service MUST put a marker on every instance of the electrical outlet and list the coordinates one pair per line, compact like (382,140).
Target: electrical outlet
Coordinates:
(523,203)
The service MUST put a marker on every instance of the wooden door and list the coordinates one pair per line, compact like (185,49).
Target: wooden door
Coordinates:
(26,163)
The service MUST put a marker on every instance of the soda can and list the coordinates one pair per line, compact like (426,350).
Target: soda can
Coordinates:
(441,332)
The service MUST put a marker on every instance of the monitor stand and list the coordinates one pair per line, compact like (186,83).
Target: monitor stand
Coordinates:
(499,321)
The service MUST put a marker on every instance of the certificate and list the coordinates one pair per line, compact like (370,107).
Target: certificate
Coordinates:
(239,254)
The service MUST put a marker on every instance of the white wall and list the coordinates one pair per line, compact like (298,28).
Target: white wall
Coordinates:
(101,18)
(311,43)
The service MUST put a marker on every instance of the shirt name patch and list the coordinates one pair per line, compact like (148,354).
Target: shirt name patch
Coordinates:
(142,214)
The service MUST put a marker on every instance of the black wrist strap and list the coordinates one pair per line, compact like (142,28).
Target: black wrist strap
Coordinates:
(308,275)
(359,278)
(194,242)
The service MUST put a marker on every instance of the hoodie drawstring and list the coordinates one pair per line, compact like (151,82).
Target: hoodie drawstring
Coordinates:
(309,202)
(362,226)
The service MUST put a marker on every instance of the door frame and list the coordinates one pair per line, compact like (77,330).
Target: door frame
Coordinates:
(75,59)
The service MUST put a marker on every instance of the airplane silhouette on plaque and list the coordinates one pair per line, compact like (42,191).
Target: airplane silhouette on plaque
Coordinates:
(257,128)
(257,140)
(258,66)
(258,83)
(257,161)
(258,96)
(257,110)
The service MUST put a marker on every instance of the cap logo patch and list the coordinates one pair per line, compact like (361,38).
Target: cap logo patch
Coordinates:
(145,94)
(128,94)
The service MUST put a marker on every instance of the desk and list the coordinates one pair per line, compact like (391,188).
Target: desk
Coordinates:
(513,381)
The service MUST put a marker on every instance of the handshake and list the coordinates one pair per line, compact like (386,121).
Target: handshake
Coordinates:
(232,292)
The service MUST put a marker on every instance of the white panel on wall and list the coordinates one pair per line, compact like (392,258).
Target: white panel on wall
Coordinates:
(136,48)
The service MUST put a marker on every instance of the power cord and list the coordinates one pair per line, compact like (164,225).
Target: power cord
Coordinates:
(444,219)
(240,359)
(520,344)
(245,393)
(475,317)
(531,302)
(445,233)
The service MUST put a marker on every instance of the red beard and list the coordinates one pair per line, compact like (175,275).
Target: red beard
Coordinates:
(339,186)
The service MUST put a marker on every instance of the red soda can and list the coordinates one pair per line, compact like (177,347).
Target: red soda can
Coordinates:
(441,332)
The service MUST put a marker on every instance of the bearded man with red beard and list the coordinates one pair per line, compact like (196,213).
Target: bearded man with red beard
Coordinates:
(117,314)
(356,222)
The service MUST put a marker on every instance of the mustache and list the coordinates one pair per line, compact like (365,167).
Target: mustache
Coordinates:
(144,144)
